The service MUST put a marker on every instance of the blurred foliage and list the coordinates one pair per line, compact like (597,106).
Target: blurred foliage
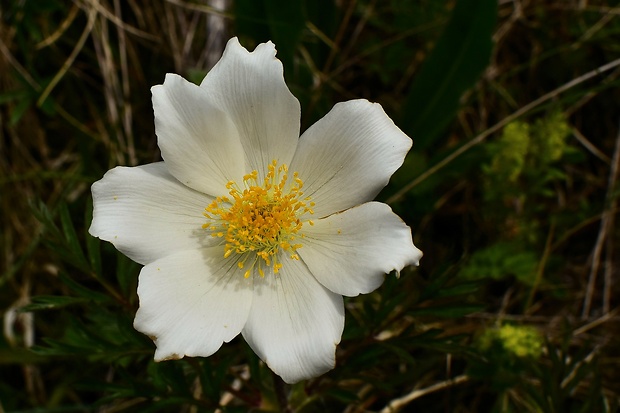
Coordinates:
(514,306)
(511,342)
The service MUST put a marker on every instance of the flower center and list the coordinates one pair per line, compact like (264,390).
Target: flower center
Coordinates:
(259,221)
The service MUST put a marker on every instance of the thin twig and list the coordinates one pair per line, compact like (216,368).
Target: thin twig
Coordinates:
(113,97)
(588,96)
(482,136)
(320,35)
(17,66)
(607,220)
(601,320)
(596,260)
(51,39)
(35,85)
(541,269)
(126,91)
(339,35)
(575,370)
(208,9)
(589,146)
(353,37)
(92,14)
(580,226)
(397,404)
(88,5)
(608,268)
(611,205)
(280,388)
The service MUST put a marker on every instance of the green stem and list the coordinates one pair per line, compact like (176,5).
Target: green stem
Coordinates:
(280,388)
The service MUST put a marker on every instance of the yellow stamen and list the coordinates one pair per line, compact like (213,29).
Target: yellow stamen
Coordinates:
(260,221)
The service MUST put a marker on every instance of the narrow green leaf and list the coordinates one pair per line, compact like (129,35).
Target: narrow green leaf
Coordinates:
(18,355)
(250,19)
(69,231)
(51,302)
(13,95)
(459,289)
(281,21)
(92,243)
(343,395)
(81,290)
(454,65)
(42,213)
(447,311)
(400,352)
(286,23)
(126,274)
(19,109)
(22,260)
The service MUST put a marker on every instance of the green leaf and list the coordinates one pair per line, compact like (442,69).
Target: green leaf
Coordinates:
(22,260)
(250,19)
(71,236)
(12,95)
(42,213)
(19,109)
(63,242)
(51,302)
(447,311)
(18,355)
(281,21)
(170,376)
(286,22)
(81,290)
(126,274)
(343,395)
(92,243)
(459,289)
(454,65)
(400,352)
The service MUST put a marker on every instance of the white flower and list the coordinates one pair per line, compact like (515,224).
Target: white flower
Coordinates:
(232,241)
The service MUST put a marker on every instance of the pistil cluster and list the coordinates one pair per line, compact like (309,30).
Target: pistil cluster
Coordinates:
(259,221)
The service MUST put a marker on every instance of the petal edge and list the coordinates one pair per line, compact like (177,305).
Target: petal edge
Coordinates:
(198,141)
(350,252)
(295,323)
(250,88)
(146,213)
(349,155)
(192,302)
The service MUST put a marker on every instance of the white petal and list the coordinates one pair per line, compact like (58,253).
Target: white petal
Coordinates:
(346,157)
(191,302)
(250,88)
(295,323)
(351,252)
(198,141)
(147,214)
